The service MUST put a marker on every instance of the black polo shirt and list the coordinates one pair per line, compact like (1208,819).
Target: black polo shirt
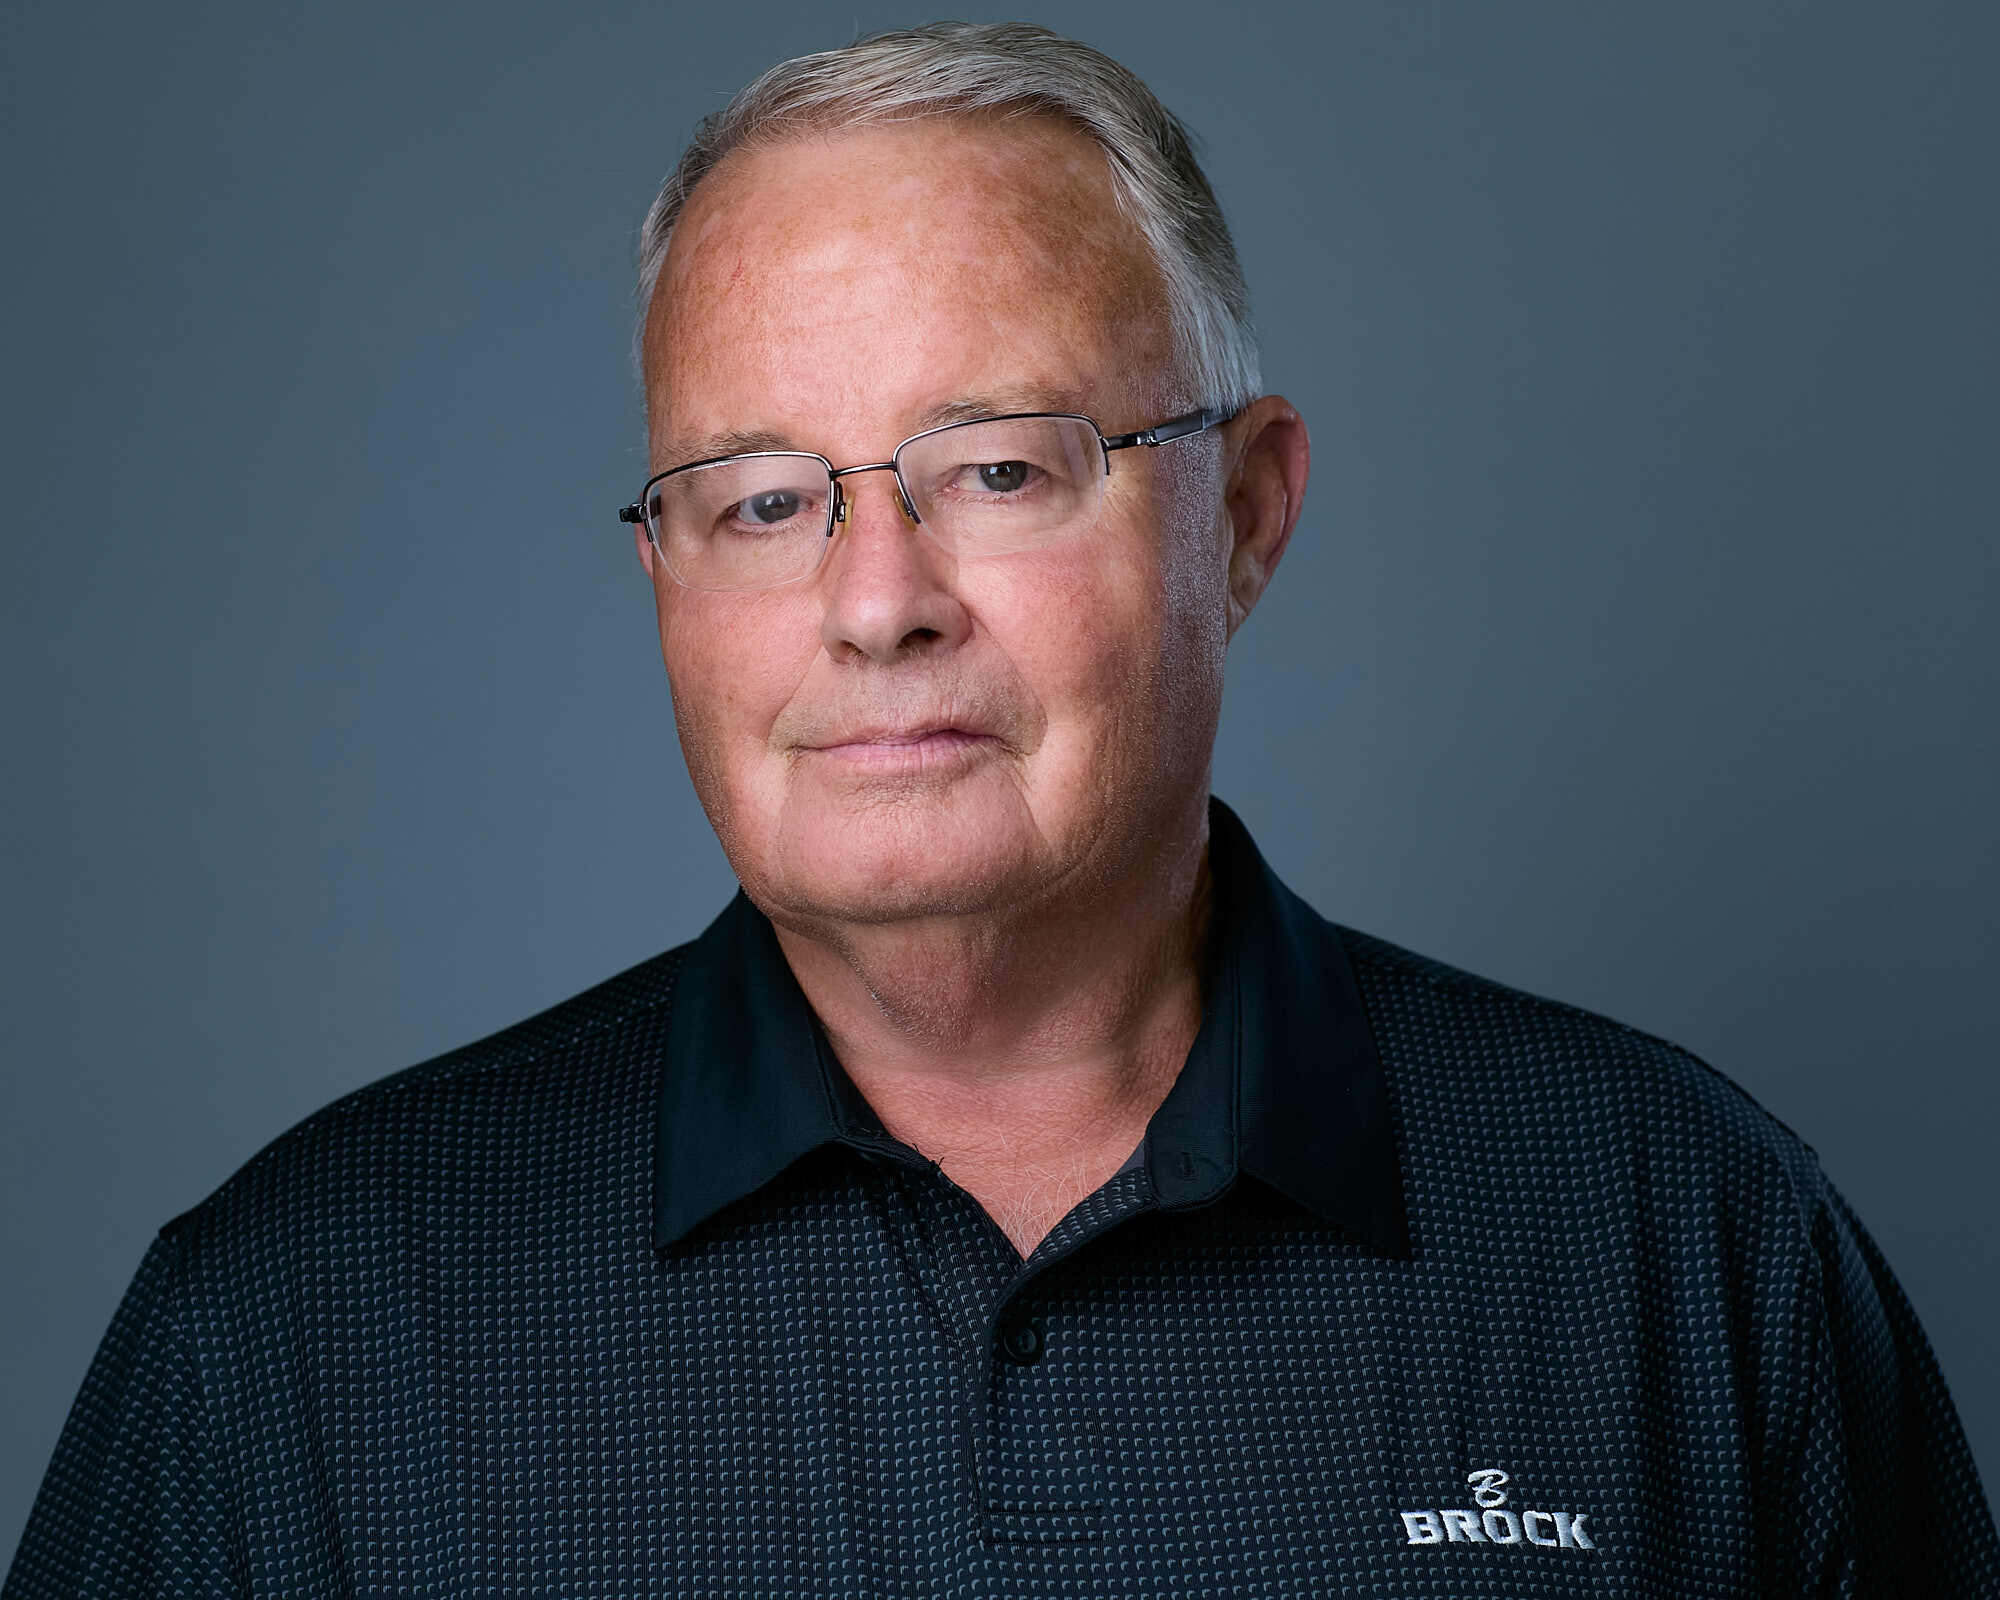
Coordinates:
(1418,1285)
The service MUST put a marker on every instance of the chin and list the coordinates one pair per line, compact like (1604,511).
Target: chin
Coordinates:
(898,857)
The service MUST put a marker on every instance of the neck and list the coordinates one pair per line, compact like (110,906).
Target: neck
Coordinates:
(1032,1043)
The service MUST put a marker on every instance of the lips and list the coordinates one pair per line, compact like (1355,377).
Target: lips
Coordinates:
(935,722)
(897,737)
(907,750)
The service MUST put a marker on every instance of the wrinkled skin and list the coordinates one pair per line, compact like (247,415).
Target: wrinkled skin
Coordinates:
(904,741)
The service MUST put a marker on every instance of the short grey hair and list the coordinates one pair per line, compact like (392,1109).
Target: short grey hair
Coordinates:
(1008,68)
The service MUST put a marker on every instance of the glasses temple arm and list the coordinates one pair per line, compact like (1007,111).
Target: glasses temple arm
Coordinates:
(1165,432)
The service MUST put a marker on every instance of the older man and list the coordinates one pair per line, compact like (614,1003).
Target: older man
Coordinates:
(1016,1191)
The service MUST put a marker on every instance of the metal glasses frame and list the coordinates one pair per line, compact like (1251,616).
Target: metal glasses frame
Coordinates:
(1160,433)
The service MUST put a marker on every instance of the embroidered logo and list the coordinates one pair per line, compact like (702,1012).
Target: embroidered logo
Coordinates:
(1496,1522)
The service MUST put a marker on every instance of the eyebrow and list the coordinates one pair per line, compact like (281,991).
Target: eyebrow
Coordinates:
(966,408)
(730,442)
(1000,403)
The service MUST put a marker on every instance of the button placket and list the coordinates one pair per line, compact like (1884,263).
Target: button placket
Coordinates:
(1040,1479)
(1041,1469)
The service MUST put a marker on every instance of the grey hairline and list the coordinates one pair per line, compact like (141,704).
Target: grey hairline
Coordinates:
(959,70)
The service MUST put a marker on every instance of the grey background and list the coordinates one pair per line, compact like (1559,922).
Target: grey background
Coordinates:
(1635,647)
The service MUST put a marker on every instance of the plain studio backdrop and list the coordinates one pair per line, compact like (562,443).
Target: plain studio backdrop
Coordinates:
(1636,647)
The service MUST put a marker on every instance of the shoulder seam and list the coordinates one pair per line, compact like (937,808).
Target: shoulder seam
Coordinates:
(473,1059)
(1441,975)
(447,1065)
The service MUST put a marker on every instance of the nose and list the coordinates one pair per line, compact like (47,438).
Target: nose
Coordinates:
(888,588)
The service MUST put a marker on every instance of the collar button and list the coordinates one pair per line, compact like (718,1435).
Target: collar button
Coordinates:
(1023,1340)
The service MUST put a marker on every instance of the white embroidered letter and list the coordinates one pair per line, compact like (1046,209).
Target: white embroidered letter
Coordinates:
(1422,1527)
(1509,1531)
(1569,1529)
(1528,1517)
(1462,1528)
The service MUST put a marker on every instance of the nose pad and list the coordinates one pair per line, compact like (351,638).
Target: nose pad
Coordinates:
(903,502)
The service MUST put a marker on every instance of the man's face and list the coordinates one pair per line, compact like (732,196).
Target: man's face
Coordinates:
(907,734)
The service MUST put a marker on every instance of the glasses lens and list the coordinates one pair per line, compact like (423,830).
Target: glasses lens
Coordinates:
(751,522)
(1006,483)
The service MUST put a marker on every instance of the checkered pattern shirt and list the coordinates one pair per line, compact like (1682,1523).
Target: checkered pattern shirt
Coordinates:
(1417,1286)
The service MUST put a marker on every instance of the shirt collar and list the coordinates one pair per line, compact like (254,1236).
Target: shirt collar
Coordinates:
(1283,1082)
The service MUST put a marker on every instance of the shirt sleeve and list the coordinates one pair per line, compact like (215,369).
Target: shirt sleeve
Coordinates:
(134,1504)
(1885,1498)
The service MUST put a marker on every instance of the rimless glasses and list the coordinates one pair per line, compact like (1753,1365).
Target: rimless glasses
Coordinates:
(984,487)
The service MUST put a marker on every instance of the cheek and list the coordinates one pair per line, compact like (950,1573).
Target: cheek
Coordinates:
(1197,580)
(1092,630)
(729,676)
(1170,585)
(1162,638)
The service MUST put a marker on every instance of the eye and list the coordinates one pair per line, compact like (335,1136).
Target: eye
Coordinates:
(1003,477)
(763,510)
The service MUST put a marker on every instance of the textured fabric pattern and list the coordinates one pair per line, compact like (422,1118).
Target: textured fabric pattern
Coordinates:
(428,1344)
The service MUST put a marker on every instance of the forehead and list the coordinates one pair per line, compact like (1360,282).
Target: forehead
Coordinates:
(877,273)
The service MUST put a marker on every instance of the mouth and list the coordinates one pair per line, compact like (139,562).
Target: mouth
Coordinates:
(901,750)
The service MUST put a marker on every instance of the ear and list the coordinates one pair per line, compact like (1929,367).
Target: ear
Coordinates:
(644,548)
(1266,455)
